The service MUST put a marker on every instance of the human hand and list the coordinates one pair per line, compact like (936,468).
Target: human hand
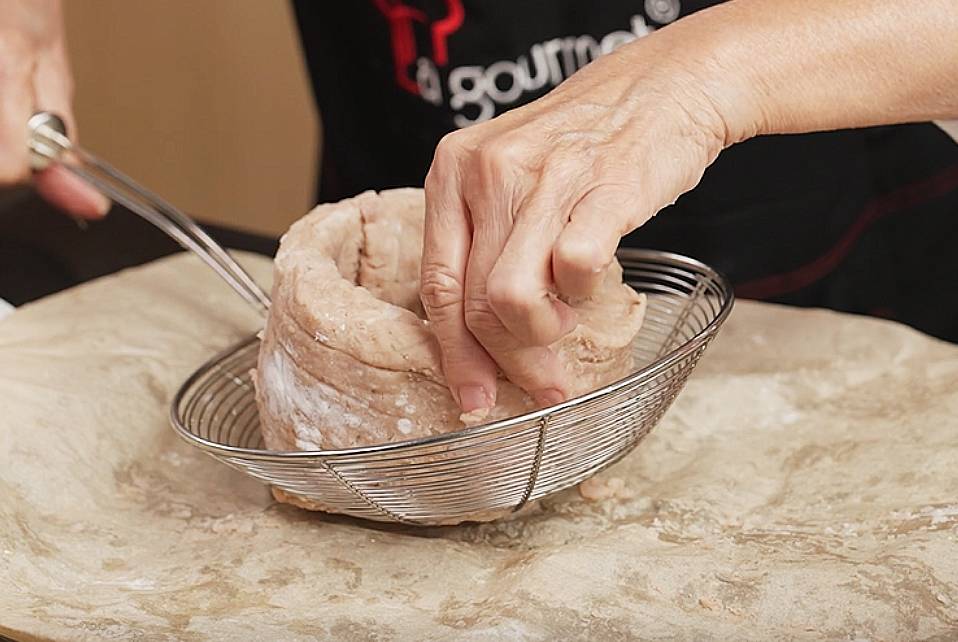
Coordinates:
(531,205)
(35,75)
(527,209)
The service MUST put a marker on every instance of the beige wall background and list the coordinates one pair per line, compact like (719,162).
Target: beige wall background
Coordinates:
(205,101)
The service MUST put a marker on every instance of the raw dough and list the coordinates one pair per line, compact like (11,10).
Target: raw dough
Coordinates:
(347,358)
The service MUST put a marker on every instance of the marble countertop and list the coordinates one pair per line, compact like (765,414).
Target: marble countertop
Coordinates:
(803,486)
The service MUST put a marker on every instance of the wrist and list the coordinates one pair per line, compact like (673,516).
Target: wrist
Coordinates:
(712,64)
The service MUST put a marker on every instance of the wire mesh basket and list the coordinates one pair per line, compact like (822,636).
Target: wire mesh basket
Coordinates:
(487,470)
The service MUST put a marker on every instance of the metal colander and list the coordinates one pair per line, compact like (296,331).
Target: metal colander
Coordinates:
(485,470)
(480,472)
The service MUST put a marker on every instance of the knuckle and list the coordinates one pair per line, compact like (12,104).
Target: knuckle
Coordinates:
(450,148)
(480,318)
(525,309)
(485,325)
(618,202)
(577,254)
(501,155)
(449,153)
(509,295)
(451,142)
(440,290)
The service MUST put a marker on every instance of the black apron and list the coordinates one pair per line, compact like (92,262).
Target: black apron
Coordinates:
(862,221)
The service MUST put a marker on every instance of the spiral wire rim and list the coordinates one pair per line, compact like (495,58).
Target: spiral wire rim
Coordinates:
(707,281)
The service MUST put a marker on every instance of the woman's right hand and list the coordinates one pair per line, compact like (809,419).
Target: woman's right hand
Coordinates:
(35,75)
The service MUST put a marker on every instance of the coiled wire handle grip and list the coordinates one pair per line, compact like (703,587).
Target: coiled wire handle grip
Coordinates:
(49,143)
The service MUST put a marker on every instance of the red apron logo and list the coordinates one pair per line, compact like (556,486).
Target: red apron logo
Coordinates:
(402,18)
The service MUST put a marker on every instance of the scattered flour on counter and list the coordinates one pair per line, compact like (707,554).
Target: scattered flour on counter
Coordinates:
(172,458)
(937,515)
(790,417)
(943,515)
(599,488)
(136,584)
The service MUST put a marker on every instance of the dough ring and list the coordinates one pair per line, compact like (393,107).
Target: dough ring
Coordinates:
(347,358)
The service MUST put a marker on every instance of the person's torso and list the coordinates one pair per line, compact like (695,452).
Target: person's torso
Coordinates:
(841,219)
(392,77)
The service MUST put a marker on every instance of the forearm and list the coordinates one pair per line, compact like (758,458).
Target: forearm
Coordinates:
(791,66)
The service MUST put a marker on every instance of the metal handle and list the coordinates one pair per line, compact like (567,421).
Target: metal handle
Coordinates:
(49,143)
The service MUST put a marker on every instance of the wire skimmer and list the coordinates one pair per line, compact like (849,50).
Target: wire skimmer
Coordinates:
(486,470)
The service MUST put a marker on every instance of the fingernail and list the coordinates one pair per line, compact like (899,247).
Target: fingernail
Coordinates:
(548,397)
(473,398)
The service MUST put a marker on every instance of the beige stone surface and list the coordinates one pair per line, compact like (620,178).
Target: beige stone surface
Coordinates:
(804,486)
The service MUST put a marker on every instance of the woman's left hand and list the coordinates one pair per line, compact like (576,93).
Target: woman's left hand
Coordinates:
(532,204)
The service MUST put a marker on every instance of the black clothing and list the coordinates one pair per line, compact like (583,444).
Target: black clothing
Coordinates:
(861,221)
